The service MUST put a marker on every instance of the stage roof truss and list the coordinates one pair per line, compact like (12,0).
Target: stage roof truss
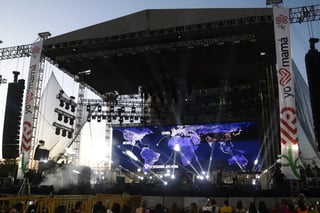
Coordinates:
(161,46)
(107,42)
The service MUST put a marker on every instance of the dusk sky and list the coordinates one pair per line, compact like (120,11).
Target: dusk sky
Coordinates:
(21,21)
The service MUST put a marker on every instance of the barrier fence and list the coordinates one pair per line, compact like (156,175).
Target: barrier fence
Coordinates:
(65,203)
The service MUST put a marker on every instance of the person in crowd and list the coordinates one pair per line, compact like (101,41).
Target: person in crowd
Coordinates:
(291,207)
(283,207)
(19,207)
(226,208)
(174,208)
(262,207)
(207,207)
(158,208)
(116,208)
(302,208)
(215,208)
(99,207)
(275,208)
(12,210)
(143,208)
(193,208)
(240,208)
(79,207)
(252,208)
(126,209)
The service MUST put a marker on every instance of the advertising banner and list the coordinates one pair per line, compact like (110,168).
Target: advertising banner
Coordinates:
(29,110)
(288,115)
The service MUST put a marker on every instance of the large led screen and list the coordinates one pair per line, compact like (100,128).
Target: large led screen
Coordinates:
(194,148)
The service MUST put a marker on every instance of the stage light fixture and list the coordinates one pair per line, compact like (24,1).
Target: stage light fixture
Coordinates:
(121,119)
(123,109)
(61,103)
(73,107)
(59,117)
(111,108)
(99,108)
(94,117)
(65,119)
(88,108)
(133,109)
(71,122)
(104,117)
(109,119)
(69,134)
(99,118)
(64,133)
(89,119)
(67,106)
(131,119)
(57,131)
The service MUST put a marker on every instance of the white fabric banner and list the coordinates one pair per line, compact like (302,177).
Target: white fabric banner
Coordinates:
(288,114)
(29,110)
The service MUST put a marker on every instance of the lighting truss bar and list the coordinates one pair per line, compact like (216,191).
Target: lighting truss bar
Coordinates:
(165,31)
(158,47)
(303,14)
(57,125)
(64,113)
(15,52)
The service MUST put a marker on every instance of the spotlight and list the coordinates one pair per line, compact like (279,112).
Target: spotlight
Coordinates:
(69,134)
(64,133)
(133,109)
(121,119)
(93,117)
(65,119)
(122,109)
(99,118)
(61,103)
(99,108)
(67,106)
(57,131)
(71,121)
(131,119)
(73,107)
(109,119)
(89,119)
(104,117)
(111,108)
(59,117)
(88,108)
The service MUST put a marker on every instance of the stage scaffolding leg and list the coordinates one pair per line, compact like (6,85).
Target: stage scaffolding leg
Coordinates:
(25,188)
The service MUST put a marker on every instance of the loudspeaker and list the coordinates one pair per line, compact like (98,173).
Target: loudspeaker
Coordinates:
(312,60)
(41,154)
(12,120)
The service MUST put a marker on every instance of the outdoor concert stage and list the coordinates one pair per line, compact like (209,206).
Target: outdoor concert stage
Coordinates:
(197,67)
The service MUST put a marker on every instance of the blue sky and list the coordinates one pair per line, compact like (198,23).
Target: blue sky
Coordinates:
(22,20)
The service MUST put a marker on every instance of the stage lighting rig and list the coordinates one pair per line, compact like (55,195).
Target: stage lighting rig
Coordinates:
(62,115)
(117,109)
(66,131)
(68,103)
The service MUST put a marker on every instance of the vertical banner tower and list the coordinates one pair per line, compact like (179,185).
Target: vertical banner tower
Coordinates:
(31,109)
(287,108)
